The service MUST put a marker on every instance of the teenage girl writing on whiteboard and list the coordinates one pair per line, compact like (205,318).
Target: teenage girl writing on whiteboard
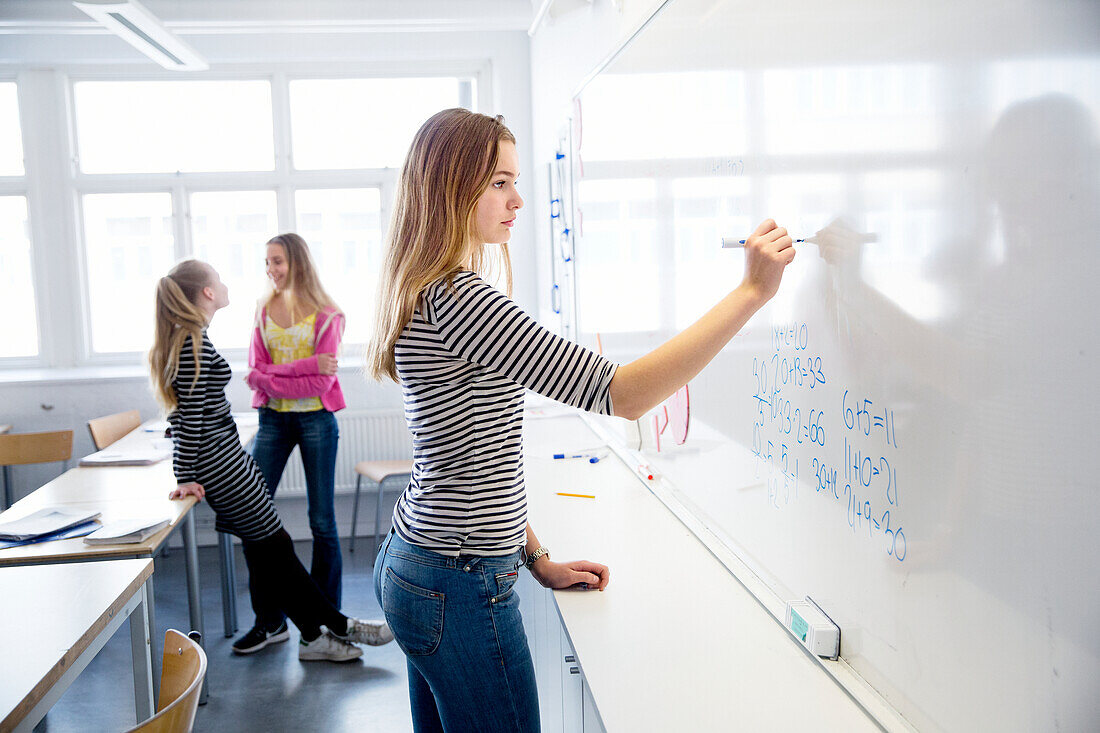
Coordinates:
(463,353)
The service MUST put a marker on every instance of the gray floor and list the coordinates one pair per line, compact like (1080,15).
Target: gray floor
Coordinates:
(268,691)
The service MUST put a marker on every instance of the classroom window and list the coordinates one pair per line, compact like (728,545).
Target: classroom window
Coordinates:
(343,228)
(11,135)
(16,288)
(364,123)
(170,126)
(230,229)
(128,247)
(167,169)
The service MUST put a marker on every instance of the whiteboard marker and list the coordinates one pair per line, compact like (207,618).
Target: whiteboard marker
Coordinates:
(645,471)
(730,242)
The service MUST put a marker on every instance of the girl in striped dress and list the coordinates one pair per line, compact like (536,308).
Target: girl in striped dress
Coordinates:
(189,379)
(463,353)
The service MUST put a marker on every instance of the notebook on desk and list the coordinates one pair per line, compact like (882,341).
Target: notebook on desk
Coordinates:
(125,531)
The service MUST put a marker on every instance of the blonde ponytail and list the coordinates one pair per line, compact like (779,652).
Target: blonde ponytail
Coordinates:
(177,317)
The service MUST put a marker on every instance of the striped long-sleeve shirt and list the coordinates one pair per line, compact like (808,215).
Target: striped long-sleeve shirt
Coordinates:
(202,409)
(208,448)
(463,361)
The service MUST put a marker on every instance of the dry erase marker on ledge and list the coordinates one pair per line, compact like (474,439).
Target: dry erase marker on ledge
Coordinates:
(731,242)
(645,472)
(591,457)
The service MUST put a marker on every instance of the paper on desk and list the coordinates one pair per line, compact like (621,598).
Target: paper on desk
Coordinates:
(43,522)
(136,453)
(157,427)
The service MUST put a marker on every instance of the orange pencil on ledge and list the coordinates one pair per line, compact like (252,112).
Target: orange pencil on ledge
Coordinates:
(579,496)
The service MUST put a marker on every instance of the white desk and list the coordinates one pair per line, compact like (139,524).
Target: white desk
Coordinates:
(121,492)
(56,619)
(675,643)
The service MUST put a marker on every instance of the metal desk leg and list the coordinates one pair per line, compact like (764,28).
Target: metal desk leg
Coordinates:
(141,650)
(377,521)
(7,488)
(355,512)
(228,567)
(155,644)
(194,597)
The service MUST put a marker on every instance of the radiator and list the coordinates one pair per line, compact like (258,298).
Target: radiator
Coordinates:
(377,435)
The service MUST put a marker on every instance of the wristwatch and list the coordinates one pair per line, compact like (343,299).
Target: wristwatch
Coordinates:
(534,556)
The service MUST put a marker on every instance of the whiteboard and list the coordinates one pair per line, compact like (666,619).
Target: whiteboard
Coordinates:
(907,432)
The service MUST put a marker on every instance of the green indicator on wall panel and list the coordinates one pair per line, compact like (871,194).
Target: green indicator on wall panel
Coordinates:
(799,626)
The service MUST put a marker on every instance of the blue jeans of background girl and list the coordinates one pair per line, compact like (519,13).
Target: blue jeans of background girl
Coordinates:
(316,435)
(458,622)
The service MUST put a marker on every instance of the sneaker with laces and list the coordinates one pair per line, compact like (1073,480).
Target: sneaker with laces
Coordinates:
(257,638)
(329,648)
(372,633)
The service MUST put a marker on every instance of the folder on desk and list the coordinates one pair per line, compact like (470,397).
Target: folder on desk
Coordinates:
(78,530)
(48,521)
(143,453)
(126,531)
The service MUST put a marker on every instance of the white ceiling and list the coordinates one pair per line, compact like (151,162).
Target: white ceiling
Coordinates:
(51,33)
(202,17)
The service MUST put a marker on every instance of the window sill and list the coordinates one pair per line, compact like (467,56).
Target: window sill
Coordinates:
(87,374)
(95,373)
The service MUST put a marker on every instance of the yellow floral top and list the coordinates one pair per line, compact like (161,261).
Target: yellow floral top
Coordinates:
(286,345)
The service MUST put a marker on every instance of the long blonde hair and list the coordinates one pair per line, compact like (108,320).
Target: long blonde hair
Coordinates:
(303,293)
(177,317)
(449,165)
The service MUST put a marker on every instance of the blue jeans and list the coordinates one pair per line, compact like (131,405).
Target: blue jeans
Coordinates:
(316,435)
(458,622)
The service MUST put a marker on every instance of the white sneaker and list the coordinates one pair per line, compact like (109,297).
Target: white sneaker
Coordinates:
(371,633)
(329,648)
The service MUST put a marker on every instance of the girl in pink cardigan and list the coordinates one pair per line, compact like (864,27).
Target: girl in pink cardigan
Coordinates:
(293,363)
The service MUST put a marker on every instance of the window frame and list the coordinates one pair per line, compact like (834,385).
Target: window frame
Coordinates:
(73,347)
(20,186)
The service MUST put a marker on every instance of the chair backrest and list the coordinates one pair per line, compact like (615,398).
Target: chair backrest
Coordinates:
(23,448)
(106,430)
(181,677)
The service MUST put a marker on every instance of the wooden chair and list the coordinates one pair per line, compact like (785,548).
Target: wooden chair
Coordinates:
(108,429)
(20,449)
(181,677)
(379,472)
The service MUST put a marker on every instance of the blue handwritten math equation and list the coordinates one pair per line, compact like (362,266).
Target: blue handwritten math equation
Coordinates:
(793,427)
